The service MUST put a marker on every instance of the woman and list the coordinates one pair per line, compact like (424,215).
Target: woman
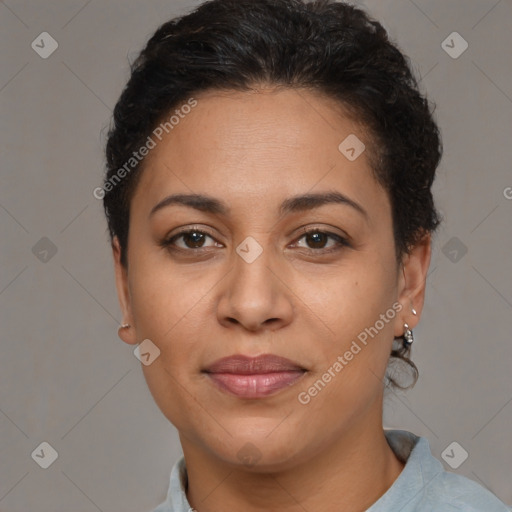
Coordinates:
(268,195)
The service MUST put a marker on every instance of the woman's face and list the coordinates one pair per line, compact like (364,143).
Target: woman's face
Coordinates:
(247,280)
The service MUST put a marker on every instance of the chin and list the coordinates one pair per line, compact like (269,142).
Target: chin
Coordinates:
(261,452)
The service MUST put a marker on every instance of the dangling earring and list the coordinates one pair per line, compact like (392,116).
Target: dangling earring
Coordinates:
(408,337)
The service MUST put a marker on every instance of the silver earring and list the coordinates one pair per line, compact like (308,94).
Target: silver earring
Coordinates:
(414,312)
(408,337)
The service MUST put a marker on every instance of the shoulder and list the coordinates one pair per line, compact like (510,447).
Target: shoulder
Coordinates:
(425,486)
(456,492)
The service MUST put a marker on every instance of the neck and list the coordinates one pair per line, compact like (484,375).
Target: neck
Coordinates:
(352,473)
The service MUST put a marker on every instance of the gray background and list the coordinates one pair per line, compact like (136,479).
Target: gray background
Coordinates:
(68,380)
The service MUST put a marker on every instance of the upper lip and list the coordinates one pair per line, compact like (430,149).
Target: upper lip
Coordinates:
(246,365)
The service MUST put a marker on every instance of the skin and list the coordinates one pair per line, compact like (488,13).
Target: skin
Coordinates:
(253,150)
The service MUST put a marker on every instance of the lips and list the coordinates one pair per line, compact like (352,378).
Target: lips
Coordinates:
(254,377)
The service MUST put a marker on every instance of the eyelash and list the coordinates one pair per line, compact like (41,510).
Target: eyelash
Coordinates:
(342,242)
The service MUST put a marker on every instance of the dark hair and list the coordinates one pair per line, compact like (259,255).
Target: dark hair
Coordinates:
(325,46)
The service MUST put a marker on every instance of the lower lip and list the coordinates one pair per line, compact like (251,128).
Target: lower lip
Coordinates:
(256,385)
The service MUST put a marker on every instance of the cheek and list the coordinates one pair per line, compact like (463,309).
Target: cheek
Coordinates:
(352,298)
(165,298)
(171,314)
(357,306)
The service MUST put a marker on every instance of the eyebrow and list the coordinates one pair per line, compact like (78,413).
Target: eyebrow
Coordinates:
(293,204)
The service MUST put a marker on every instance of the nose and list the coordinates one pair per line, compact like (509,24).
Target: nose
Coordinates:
(255,295)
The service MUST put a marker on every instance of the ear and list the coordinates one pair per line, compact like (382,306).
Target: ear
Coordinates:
(412,283)
(123,294)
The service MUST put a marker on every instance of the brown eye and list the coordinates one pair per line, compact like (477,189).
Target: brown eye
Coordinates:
(317,240)
(190,239)
(193,239)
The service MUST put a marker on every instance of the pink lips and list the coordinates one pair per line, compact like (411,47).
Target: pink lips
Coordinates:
(254,377)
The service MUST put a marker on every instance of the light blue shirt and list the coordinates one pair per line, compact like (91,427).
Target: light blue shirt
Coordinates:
(422,486)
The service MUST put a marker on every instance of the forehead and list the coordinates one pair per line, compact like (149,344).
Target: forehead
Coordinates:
(259,146)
